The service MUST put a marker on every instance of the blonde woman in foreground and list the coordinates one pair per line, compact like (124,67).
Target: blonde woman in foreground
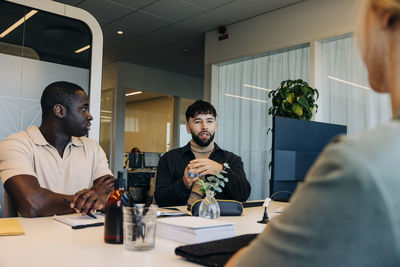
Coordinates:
(348,211)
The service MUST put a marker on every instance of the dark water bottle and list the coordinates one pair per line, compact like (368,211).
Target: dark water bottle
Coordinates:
(113,231)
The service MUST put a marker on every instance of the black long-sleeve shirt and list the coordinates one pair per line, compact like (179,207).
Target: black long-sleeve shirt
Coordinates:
(170,189)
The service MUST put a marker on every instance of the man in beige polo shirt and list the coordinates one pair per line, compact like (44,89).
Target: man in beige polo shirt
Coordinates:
(44,168)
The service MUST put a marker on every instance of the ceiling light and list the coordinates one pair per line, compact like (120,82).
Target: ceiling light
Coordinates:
(256,87)
(120,32)
(247,98)
(134,93)
(82,49)
(349,83)
(19,22)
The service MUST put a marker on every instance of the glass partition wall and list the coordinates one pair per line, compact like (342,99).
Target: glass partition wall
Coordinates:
(149,120)
(184,137)
(106,119)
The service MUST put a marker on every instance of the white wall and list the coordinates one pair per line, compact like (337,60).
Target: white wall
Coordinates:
(301,23)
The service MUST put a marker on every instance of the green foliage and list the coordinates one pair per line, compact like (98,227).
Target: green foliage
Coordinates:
(294,99)
(214,183)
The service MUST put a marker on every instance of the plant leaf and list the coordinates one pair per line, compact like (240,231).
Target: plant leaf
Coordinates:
(286,106)
(290,97)
(297,109)
(303,101)
(317,93)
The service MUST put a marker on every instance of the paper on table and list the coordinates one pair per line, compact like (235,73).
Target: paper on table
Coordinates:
(194,223)
(10,226)
(79,220)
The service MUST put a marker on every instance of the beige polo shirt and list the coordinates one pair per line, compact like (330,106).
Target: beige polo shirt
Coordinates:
(29,153)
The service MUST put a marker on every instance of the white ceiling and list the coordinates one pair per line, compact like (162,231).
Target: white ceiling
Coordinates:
(167,34)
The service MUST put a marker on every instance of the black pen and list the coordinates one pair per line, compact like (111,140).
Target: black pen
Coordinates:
(87,225)
(66,201)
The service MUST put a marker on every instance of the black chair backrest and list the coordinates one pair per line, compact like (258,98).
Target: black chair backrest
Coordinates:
(135,160)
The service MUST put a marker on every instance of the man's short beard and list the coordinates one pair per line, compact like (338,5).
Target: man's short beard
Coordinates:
(198,141)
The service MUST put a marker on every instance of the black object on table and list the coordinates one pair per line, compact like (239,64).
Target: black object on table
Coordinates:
(252,204)
(214,253)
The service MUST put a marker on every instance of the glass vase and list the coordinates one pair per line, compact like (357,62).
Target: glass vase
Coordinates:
(209,207)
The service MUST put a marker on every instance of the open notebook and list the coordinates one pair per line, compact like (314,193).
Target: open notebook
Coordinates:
(78,221)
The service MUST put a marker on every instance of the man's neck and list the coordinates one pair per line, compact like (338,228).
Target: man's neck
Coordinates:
(197,149)
(55,137)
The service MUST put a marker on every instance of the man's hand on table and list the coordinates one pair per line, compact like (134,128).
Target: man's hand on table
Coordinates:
(88,200)
(104,185)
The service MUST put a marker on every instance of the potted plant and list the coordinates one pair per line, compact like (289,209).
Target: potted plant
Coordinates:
(294,99)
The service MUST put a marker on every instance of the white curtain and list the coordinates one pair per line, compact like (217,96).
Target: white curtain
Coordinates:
(345,95)
(243,123)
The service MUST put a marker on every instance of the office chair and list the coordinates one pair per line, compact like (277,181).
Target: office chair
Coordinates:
(135,159)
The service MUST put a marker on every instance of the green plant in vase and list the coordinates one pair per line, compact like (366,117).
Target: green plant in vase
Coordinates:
(209,207)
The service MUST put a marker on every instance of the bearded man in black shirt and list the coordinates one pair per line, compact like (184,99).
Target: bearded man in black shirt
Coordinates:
(179,169)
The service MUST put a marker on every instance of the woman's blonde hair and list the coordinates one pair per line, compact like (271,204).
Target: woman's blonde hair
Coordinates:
(377,5)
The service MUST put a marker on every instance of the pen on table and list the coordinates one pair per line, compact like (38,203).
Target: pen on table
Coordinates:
(87,225)
(66,201)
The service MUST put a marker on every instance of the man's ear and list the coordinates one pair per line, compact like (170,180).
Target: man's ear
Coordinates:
(59,111)
(188,129)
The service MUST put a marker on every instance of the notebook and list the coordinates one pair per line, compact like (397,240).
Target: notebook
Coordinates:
(190,230)
(78,221)
(10,226)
